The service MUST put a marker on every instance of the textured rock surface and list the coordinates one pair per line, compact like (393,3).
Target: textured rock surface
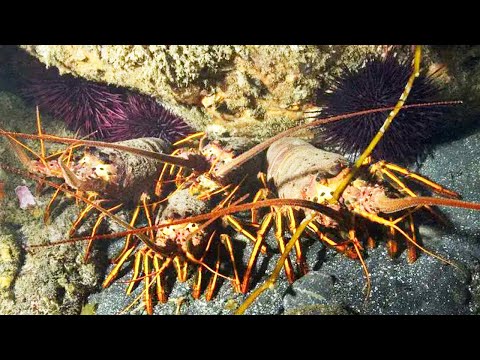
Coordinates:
(234,91)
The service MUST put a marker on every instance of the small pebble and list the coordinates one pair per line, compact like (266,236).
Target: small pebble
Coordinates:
(25,197)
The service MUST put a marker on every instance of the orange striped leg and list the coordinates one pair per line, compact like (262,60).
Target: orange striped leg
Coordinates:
(113,274)
(181,266)
(213,280)
(227,242)
(261,194)
(370,242)
(94,231)
(411,248)
(258,244)
(143,198)
(392,224)
(128,245)
(281,245)
(46,215)
(197,286)
(292,226)
(358,249)
(238,227)
(159,184)
(392,245)
(400,186)
(159,269)
(137,268)
(79,219)
(148,282)
(325,238)
(439,189)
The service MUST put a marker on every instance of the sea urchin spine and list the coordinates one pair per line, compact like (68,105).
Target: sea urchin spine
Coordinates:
(379,83)
(145,117)
(85,106)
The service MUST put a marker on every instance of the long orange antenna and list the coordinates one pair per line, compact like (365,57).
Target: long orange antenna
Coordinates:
(194,163)
(210,216)
(388,205)
(239,160)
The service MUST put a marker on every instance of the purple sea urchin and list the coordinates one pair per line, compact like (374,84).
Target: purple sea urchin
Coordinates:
(379,83)
(85,106)
(145,117)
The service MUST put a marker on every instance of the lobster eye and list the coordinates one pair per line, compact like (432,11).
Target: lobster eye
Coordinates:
(104,157)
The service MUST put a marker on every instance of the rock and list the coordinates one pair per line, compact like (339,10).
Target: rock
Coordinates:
(313,293)
(9,260)
(424,287)
(251,92)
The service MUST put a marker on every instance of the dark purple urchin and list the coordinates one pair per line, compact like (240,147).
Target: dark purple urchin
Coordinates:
(379,83)
(145,117)
(85,106)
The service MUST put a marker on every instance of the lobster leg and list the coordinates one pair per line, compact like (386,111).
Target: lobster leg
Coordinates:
(384,167)
(281,244)
(261,194)
(213,280)
(253,257)
(392,224)
(411,248)
(160,181)
(160,288)
(181,266)
(392,245)
(325,238)
(46,215)
(128,241)
(94,231)
(197,286)
(358,249)
(137,267)
(225,239)
(143,198)
(237,227)
(113,274)
(292,226)
(79,219)
(400,185)
(148,283)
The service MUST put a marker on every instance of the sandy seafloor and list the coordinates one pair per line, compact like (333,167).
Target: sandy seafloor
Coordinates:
(56,280)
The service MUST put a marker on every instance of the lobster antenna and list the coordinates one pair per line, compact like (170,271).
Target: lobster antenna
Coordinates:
(194,163)
(239,160)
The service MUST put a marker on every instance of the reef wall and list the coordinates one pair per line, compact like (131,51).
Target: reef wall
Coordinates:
(233,91)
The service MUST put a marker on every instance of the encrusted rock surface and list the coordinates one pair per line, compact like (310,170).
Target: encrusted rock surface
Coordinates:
(250,92)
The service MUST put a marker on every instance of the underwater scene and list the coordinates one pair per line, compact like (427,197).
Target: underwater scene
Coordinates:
(239,179)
